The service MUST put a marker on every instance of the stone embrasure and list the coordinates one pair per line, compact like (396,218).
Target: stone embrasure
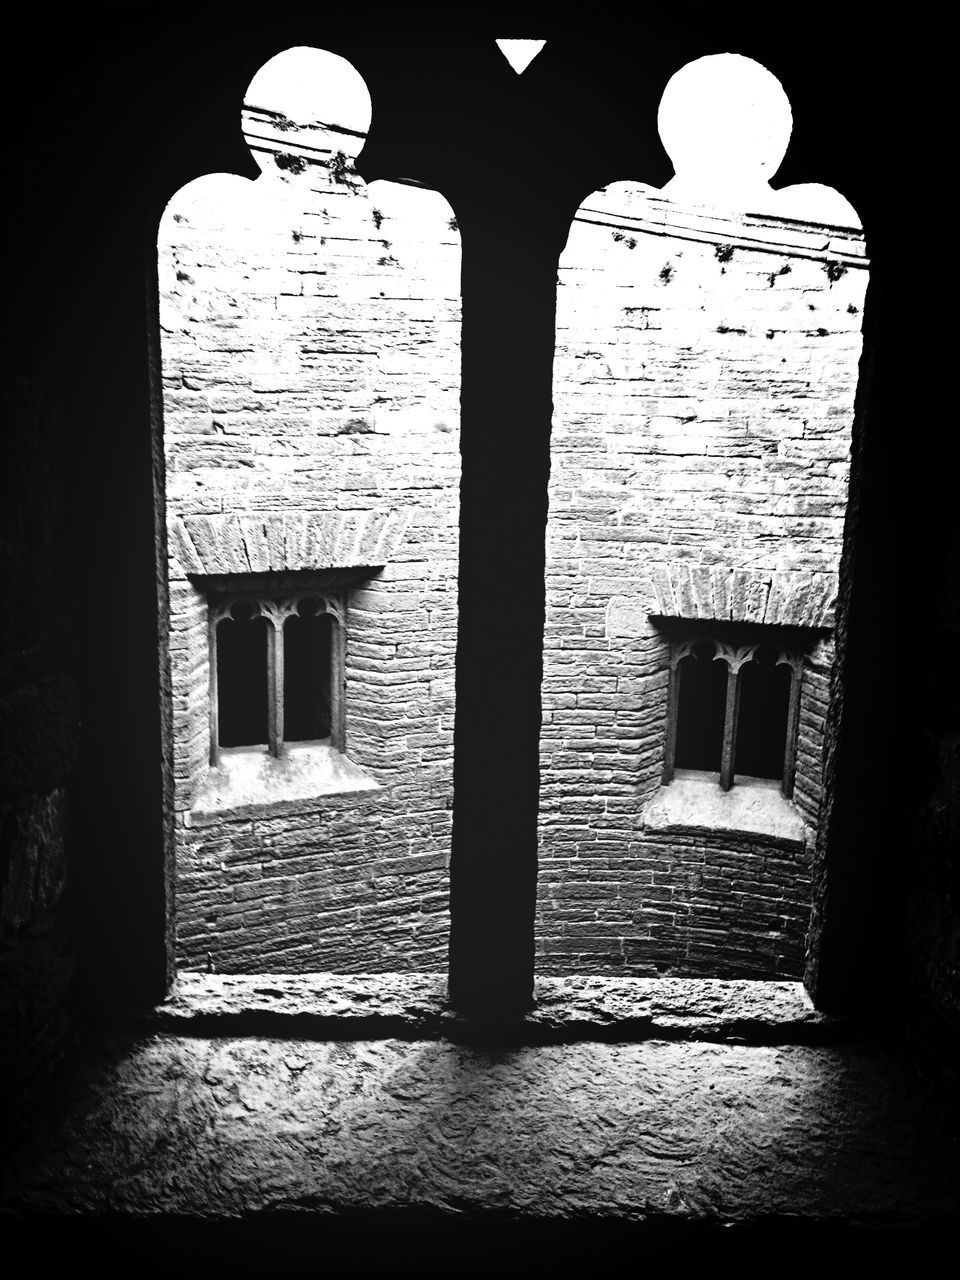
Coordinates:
(705,371)
(695,801)
(311,364)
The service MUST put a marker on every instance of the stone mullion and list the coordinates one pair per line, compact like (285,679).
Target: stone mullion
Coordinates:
(213,693)
(730,719)
(274,683)
(793,718)
(673,706)
(509,292)
(338,667)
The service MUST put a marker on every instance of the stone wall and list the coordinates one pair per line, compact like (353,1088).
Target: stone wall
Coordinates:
(310,327)
(704,385)
(39,735)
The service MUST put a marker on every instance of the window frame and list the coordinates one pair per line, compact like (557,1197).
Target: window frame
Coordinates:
(736,651)
(276,606)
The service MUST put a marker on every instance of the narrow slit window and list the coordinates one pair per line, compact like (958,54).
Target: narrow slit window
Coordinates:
(242,677)
(700,712)
(307,674)
(764,710)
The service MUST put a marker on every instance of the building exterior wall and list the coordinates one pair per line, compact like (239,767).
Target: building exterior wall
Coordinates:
(310,331)
(705,374)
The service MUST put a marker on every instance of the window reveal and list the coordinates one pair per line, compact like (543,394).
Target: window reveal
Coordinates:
(276,671)
(733,709)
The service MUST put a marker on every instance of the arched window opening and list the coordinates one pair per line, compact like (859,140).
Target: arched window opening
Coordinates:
(708,335)
(241,655)
(701,709)
(310,336)
(762,723)
(308,674)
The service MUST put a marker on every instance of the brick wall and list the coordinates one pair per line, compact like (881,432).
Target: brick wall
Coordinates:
(704,384)
(310,326)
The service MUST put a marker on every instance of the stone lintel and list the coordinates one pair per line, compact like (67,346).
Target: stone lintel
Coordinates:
(720,593)
(291,541)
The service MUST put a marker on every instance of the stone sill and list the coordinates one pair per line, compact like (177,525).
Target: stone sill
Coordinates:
(694,804)
(567,1009)
(250,782)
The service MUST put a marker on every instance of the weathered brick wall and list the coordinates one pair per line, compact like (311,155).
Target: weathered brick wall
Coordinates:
(704,382)
(310,328)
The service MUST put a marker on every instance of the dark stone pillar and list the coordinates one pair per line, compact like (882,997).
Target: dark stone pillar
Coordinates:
(508,310)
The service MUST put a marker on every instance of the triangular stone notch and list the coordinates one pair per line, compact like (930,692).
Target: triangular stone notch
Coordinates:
(520,53)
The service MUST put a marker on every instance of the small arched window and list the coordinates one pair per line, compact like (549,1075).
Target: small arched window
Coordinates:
(763,714)
(308,673)
(733,707)
(701,709)
(240,642)
(276,665)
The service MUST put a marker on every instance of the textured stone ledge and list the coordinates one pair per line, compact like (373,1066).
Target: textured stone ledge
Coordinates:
(694,802)
(414,1006)
(655,1133)
(248,781)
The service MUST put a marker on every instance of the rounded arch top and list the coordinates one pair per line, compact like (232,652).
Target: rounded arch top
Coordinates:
(725,122)
(305,86)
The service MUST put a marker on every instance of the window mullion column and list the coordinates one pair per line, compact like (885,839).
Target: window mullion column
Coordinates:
(274,681)
(673,706)
(793,717)
(212,690)
(730,718)
(338,663)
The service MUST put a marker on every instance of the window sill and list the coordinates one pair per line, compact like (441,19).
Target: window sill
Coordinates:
(416,1006)
(248,779)
(694,802)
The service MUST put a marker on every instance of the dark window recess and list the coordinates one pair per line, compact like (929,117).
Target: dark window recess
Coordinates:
(700,713)
(307,645)
(242,677)
(762,722)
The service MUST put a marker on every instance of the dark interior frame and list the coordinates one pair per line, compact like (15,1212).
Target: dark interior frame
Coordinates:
(514,156)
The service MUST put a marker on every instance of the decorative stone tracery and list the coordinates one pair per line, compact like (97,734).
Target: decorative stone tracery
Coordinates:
(736,657)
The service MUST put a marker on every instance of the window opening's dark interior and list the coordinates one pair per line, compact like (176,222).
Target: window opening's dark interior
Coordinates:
(242,677)
(700,714)
(762,723)
(307,674)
